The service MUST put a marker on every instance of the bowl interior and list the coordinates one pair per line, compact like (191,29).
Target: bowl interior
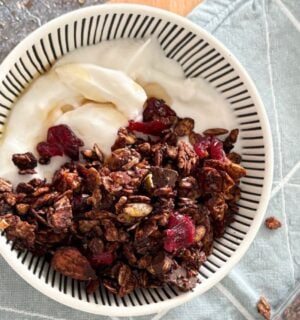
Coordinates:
(200,55)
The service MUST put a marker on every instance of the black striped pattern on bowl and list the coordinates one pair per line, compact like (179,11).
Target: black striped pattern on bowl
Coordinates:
(198,58)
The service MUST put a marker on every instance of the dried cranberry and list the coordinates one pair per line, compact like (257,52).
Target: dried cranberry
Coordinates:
(180,233)
(216,149)
(154,127)
(47,150)
(60,139)
(156,109)
(201,147)
(62,134)
(210,146)
(104,258)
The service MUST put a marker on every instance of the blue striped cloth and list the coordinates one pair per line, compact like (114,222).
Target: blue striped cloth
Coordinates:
(264,36)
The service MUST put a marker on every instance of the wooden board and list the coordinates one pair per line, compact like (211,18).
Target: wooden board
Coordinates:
(182,7)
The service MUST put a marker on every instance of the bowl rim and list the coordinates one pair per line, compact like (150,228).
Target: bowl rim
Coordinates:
(265,193)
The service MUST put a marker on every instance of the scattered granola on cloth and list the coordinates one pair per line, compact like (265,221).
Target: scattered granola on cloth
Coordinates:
(272,223)
(264,308)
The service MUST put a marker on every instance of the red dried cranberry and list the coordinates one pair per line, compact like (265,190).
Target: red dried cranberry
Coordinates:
(104,259)
(156,109)
(154,127)
(60,139)
(62,134)
(47,150)
(201,147)
(210,146)
(180,233)
(216,149)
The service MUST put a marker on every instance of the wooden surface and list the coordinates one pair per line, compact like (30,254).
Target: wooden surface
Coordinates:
(182,7)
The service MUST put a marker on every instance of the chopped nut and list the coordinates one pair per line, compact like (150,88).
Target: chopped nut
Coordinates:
(264,308)
(272,223)
(71,263)
(187,158)
(137,210)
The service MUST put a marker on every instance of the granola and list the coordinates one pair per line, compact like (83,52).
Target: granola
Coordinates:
(272,223)
(264,308)
(144,216)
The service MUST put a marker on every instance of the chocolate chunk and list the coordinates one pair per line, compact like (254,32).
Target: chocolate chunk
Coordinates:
(162,177)
(180,277)
(26,162)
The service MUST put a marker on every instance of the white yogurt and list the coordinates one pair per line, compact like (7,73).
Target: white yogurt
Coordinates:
(96,90)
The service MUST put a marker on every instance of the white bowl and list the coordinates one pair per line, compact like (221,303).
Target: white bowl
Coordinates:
(200,55)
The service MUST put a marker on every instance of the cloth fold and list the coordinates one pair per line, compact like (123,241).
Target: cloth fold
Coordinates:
(264,36)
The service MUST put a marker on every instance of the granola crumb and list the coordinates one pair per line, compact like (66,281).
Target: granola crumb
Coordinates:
(272,223)
(264,308)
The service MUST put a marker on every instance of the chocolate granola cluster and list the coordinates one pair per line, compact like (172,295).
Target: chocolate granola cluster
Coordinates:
(144,216)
